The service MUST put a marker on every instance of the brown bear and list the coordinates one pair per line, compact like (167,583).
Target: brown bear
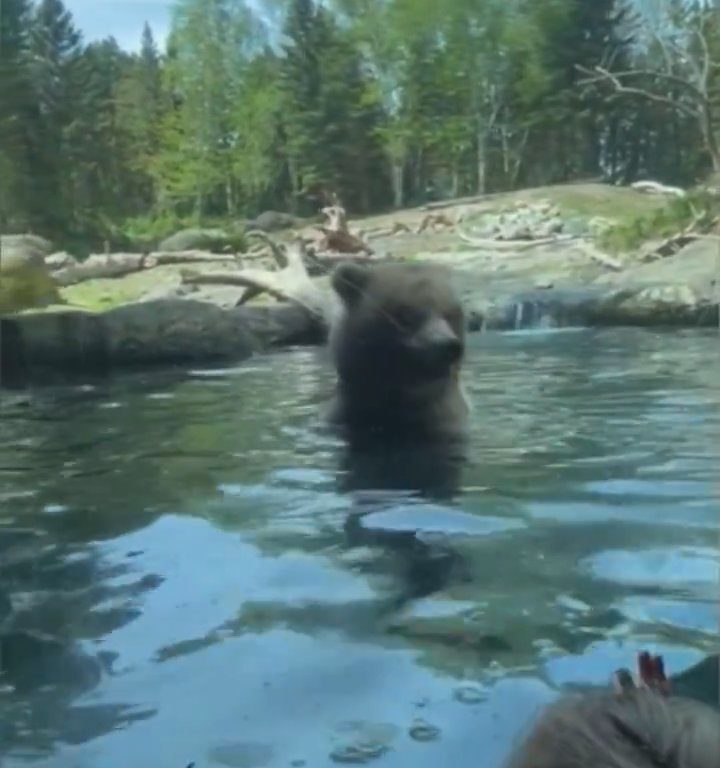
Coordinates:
(398,345)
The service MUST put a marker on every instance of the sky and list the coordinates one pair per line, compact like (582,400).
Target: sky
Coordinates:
(123,19)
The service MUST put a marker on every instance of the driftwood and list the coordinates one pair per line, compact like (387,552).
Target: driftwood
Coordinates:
(289,283)
(434,221)
(114,265)
(458,201)
(394,229)
(513,245)
(598,256)
(671,245)
(99,266)
(60,260)
(335,234)
(655,188)
(191,257)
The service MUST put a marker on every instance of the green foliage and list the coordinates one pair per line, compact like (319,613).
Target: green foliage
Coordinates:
(698,208)
(148,232)
(379,101)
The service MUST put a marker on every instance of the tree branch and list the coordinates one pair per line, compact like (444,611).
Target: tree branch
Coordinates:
(598,73)
(602,75)
(705,73)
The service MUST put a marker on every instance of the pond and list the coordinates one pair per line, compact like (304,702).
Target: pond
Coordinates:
(186,538)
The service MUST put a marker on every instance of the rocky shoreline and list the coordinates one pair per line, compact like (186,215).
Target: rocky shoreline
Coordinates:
(559,280)
(40,347)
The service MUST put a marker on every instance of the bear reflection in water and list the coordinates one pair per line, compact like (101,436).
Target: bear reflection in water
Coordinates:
(398,346)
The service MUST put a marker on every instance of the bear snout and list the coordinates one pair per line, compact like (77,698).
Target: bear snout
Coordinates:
(437,343)
(447,352)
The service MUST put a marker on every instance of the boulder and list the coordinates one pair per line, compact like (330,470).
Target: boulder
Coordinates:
(54,345)
(668,305)
(659,305)
(213,240)
(26,243)
(174,331)
(272,221)
(281,325)
(25,281)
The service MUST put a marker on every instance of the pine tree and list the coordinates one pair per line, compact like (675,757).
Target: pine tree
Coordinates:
(14,106)
(211,43)
(139,105)
(350,118)
(330,115)
(99,180)
(55,79)
(577,34)
(258,161)
(309,162)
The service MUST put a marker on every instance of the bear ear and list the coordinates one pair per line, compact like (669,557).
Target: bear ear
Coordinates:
(349,282)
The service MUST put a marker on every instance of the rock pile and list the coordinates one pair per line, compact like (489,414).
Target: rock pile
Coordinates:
(524,221)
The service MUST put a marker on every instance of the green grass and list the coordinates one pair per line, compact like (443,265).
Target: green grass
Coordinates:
(149,231)
(605,201)
(98,295)
(674,216)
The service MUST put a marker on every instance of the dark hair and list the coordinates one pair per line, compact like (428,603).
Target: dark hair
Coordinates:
(639,729)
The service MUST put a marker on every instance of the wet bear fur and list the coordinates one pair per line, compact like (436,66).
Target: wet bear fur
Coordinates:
(397,346)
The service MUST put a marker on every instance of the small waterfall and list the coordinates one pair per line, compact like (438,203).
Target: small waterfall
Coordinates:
(519,311)
(536,314)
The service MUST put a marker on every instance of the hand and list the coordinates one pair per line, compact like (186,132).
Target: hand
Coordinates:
(650,675)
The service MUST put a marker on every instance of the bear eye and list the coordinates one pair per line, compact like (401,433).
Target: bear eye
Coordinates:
(407,317)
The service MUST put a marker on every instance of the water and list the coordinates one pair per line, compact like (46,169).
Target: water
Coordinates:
(186,538)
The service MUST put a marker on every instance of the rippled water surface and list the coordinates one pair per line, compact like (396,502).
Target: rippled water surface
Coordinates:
(185,541)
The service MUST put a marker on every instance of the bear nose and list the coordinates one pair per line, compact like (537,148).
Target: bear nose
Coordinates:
(448,351)
(440,342)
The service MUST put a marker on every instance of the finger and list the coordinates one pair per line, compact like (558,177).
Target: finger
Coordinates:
(622,681)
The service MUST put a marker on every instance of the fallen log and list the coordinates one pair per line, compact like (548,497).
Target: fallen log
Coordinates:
(671,245)
(395,229)
(513,245)
(433,221)
(598,256)
(101,266)
(655,188)
(191,257)
(439,204)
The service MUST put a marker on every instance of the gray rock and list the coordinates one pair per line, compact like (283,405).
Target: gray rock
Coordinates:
(25,243)
(272,221)
(25,280)
(165,331)
(280,325)
(213,240)
(168,331)
(645,306)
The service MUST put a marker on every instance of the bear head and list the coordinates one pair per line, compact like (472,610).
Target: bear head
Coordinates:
(398,345)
